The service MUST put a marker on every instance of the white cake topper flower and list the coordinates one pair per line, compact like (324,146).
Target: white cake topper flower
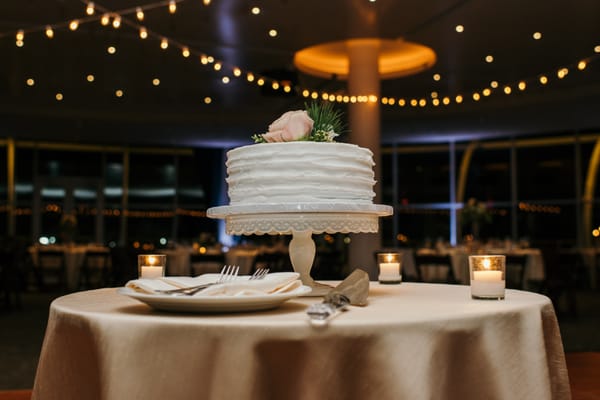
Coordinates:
(318,123)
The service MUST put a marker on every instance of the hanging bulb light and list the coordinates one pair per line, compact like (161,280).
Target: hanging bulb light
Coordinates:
(206,2)
(117,22)
(20,36)
(105,20)
(143,33)
(164,43)
(139,14)
(49,32)
(185,52)
(172,7)
(73,25)
(89,10)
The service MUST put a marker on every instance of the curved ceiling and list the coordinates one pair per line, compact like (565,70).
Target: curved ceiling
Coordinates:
(175,111)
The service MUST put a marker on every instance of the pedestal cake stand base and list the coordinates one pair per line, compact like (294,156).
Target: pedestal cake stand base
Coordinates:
(301,220)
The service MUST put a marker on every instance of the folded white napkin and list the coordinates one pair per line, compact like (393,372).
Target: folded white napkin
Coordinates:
(277,282)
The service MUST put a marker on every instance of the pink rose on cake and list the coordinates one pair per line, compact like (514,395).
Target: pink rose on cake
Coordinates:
(293,125)
(318,123)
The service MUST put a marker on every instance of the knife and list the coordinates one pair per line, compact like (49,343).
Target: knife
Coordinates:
(353,290)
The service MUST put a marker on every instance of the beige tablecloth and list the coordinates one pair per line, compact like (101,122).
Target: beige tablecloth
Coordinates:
(413,341)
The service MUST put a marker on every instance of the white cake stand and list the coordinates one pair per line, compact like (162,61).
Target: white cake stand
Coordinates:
(301,220)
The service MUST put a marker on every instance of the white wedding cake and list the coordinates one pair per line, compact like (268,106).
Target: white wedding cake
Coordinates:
(298,161)
(300,172)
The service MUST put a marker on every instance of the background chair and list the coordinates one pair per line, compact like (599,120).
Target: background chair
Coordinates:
(13,253)
(435,268)
(515,271)
(206,263)
(123,262)
(277,261)
(50,270)
(95,270)
(562,268)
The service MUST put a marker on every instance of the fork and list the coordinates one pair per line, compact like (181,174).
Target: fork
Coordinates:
(260,273)
(228,273)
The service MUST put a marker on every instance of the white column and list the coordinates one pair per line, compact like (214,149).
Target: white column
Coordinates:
(364,119)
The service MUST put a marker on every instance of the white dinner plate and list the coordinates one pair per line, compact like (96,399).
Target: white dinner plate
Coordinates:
(214,303)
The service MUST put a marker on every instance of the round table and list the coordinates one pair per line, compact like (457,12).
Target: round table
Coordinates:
(412,341)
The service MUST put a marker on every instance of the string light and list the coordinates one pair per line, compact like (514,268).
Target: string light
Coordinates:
(90,78)
(278,85)
(116,22)
(562,73)
(30,82)
(89,10)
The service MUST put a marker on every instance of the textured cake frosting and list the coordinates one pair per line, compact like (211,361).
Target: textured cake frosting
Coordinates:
(300,172)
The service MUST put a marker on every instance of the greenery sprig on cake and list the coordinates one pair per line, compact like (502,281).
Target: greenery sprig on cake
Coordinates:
(319,122)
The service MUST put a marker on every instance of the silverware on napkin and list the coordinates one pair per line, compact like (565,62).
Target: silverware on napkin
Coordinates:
(353,290)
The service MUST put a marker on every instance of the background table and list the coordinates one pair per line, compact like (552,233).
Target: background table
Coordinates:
(413,341)
(74,256)
(534,268)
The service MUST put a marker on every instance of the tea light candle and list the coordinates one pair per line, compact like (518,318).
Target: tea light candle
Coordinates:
(389,268)
(487,277)
(149,272)
(151,266)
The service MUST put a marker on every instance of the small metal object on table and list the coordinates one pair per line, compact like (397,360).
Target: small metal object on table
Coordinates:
(301,220)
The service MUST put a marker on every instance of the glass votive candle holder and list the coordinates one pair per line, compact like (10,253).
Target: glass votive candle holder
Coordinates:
(151,266)
(389,268)
(487,276)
